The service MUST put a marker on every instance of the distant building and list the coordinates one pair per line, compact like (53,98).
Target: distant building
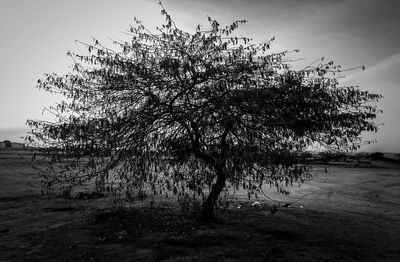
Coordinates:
(9,144)
(17,145)
(5,144)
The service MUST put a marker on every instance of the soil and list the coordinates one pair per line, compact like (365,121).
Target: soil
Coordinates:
(344,214)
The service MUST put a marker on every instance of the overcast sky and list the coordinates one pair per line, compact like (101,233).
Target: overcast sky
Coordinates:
(35,36)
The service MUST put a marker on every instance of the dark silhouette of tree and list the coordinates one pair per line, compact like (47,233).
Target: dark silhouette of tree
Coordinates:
(377,156)
(178,113)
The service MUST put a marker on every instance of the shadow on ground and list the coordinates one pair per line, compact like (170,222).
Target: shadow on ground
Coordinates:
(348,217)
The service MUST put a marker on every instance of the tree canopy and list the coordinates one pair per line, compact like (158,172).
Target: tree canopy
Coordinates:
(179,113)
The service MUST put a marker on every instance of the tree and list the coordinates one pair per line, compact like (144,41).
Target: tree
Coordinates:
(178,113)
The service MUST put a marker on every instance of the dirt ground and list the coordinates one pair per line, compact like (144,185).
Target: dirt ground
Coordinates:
(344,214)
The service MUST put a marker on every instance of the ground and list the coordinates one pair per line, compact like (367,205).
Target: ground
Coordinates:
(345,214)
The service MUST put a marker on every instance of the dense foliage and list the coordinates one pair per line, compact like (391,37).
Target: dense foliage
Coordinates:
(178,113)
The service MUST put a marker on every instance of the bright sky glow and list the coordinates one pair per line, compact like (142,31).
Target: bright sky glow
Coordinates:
(35,36)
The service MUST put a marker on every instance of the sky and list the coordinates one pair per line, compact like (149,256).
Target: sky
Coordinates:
(36,35)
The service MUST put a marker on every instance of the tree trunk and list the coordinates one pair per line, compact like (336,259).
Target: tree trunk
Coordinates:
(209,205)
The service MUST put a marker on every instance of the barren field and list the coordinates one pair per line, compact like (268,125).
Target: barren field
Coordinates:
(344,214)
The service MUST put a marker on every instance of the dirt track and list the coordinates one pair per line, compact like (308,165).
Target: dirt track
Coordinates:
(347,214)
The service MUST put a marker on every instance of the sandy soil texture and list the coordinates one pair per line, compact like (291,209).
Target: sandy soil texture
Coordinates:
(344,214)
